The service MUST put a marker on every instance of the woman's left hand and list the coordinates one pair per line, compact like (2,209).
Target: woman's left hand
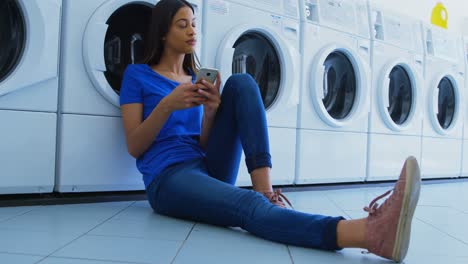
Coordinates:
(212,96)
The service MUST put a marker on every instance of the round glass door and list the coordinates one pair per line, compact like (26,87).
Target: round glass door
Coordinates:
(400,95)
(124,40)
(446,103)
(12,37)
(339,85)
(254,54)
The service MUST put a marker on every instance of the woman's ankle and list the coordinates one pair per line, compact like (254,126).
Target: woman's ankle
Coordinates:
(351,233)
(261,180)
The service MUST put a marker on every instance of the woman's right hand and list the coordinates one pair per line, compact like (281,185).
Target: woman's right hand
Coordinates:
(184,96)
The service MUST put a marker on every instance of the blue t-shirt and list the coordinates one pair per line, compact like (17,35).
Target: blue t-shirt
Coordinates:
(178,139)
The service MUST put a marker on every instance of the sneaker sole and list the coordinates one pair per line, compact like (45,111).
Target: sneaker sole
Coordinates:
(410,201)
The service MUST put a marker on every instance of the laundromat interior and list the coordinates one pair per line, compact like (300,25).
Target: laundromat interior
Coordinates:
(365,104)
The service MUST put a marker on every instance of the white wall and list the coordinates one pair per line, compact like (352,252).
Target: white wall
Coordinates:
(422,9)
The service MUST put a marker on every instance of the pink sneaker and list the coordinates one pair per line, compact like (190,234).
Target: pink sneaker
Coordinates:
(388,226)
(276,198)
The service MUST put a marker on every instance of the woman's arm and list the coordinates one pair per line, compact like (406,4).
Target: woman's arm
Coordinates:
(141,134)
(210,107)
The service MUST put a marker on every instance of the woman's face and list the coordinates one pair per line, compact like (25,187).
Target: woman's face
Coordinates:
(182,32)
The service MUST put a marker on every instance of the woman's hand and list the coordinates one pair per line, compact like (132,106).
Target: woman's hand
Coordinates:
(184,96)
(211,94)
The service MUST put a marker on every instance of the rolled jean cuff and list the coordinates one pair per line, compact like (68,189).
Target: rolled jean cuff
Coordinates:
(258,161)
(331,238)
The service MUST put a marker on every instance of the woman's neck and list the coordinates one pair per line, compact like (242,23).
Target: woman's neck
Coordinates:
(171,62)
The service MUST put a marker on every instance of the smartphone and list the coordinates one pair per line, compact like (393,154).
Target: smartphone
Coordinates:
(207,74)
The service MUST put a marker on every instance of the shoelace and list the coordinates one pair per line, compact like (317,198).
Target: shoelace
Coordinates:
(277,195)
(372,209)
(373,206)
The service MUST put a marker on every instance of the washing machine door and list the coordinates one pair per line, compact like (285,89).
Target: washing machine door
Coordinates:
(29,39)
(444,104)
(339,85)
(260,52)
(114,38)
(12,37)
(398,96)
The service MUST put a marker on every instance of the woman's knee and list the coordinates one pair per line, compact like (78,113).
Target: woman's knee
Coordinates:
(242,84)
(240,78)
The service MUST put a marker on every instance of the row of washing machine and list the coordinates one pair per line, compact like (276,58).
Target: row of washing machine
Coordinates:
(349,88)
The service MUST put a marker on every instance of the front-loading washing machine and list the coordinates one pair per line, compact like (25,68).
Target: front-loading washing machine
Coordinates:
(100,38)
(260,38)
(334,106)
(29,51)
(395,124)
(443,103)
(464,170)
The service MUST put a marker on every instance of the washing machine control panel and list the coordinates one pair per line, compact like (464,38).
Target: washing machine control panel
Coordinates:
(345,15)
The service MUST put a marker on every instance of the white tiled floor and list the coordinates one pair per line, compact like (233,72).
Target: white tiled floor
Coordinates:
(129,232)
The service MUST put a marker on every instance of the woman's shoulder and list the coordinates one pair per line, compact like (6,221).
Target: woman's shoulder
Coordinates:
(134,76)
(136,69)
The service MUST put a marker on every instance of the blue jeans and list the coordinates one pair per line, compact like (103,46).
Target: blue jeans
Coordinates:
(203,190)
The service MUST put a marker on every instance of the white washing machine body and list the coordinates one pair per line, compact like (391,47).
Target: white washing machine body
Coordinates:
(241,34)
(334,106)
(443,103)
(395,125)
(464,171)
(28,94)
(96,50)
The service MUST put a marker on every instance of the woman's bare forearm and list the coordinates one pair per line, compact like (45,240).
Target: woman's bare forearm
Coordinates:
(141,138)
(207,124)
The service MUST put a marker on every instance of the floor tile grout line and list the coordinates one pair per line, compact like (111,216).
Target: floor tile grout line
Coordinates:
(100,260)
(290,254)
(42,259)
(45,231)
(20,254)
(436,206)
(462,211)
(142,238)
(339,207)
(374,193)
(183,243)
(442,231)
(123,209)
(13,217)
(34,209)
